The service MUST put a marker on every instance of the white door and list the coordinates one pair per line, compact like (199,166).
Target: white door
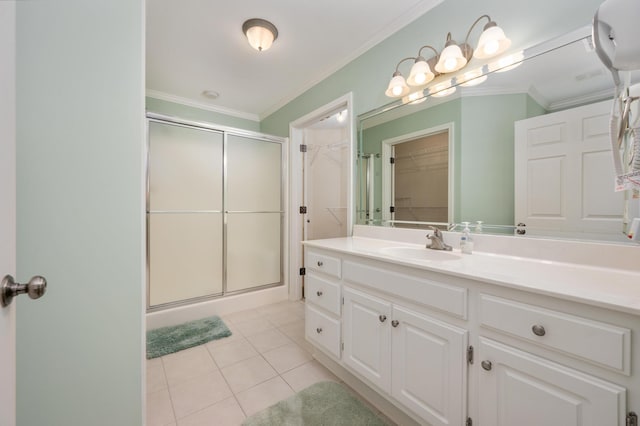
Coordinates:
(564,174)
(367,337)
(7,209)
(429,367)
(518,388)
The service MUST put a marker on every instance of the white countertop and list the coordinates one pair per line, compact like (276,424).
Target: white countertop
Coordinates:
(610,288)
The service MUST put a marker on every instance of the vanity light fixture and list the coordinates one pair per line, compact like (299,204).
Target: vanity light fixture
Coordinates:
(471,78)
(454,56)
(260,33)
(443,89)
(414,98)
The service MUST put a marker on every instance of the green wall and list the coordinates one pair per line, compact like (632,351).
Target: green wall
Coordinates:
(80,132)
(197,114)
(483,144)
(525,22)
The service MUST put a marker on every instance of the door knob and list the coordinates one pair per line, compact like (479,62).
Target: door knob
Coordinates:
(35,288)
(486,365)
(382,318)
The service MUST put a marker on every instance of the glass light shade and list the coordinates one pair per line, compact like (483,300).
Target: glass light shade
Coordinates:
(507,63)
(260,38)
(492,42)
(414,98)
(397,86)
(441,90)
(420,73)
(472,78)
(451,59)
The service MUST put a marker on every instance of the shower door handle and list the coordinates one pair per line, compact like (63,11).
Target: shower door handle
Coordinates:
(35,288)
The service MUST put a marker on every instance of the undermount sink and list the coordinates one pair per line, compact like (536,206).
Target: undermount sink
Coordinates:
(419,253)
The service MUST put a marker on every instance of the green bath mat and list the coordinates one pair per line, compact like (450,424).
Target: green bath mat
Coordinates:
(167,340)
(321,404)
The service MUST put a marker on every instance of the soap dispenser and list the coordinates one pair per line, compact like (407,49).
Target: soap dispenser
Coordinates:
(466,241)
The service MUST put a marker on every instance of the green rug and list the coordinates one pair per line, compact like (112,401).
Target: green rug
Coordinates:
(167,340)
(321,404)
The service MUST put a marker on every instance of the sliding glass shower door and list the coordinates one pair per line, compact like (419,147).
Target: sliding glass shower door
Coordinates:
(215,214)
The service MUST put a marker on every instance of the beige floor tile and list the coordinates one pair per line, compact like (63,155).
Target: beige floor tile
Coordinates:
(268,339)
(287,357)
(248,373)
(264,395)
(293,330)
(307,374)
(233,352)
(199,393)
(159,410)
(188,364)
(242,316)
(156,379)
(254,326)
(224,413)
(283,318)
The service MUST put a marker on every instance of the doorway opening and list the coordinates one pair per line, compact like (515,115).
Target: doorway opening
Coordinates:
(321,197)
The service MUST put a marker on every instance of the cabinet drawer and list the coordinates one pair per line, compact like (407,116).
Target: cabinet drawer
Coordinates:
(603,344)
(322,330)
(440,296)
(323,293)
(322,263)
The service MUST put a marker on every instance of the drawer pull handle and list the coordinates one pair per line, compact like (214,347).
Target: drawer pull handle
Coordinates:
(487,365)
(382,318)
(395,323)
(320,263)
(319,330)
(538,330)
(319,293)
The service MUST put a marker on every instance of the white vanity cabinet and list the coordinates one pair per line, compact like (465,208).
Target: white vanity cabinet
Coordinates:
(451,349)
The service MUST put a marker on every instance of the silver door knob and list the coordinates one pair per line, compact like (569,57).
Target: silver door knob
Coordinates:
(395,323)
(35,288)
(320,263)
(486,365)
(319,330)
(382,318)
(319,293)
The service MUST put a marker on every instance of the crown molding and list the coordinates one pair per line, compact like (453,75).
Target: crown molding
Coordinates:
(200,105)
(402,21)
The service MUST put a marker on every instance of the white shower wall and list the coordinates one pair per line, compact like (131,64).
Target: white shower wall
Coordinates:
(327,182)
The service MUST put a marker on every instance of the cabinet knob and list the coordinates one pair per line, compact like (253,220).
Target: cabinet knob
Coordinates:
(319,330)
(320,263)
(395,323)
(382,318)
(486,365)
(319,293)
(538,330)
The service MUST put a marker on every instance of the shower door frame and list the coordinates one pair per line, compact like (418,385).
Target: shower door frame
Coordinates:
(284,217)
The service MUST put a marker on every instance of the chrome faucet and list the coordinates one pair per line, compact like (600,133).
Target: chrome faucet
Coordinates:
(437,241)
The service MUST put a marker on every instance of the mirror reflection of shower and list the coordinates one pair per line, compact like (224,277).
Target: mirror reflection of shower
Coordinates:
(367,176)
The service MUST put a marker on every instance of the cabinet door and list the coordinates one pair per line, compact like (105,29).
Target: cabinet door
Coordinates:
(429,367)
(367,337)
(518,388)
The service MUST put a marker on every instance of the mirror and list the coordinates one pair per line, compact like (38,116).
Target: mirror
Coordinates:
(502,169)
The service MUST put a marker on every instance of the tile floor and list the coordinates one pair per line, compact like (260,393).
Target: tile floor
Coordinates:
(265,360)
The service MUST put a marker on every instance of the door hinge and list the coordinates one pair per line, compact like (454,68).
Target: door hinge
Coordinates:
(303,271)
(303,147)
(342,346)
(632,419)
(392,160)
(392,209)
(470,354)
(303,209)
(343,300)
(469,422)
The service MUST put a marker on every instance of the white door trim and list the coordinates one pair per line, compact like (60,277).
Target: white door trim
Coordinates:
(296,137)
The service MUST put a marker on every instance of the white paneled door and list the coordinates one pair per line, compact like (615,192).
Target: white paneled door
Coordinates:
(7,209)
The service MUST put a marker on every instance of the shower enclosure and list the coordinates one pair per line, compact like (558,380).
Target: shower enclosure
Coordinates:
(214,211)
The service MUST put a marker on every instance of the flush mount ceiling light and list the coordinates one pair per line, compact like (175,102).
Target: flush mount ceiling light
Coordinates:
(453,57)
(260,33)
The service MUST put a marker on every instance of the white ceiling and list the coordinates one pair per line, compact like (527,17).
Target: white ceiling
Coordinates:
(198,45)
